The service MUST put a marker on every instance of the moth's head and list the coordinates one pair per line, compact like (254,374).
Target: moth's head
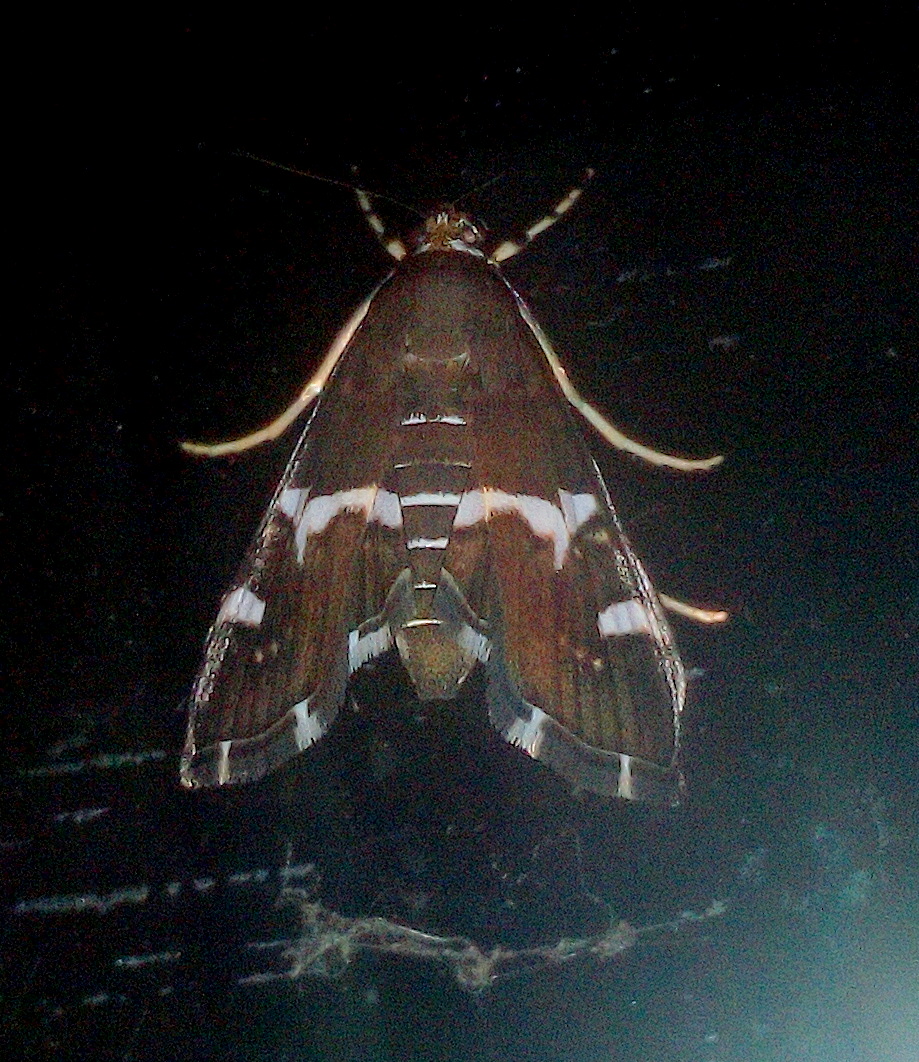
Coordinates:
(448,229)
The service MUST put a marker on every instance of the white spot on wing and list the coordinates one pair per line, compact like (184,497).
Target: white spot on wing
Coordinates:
(555,523)
(624,617)
(577,509)
(243,607)
(309,729)
(223,762)
(386,509)
(545,520)
(471,509)
(364,647)
(473,643)
(321,510)
(625,777)
(314,516)
(528,733)
(292,501)
(419,462)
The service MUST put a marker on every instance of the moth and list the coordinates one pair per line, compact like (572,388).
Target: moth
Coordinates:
(442,506)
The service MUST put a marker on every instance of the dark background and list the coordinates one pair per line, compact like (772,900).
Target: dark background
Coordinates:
(740,278)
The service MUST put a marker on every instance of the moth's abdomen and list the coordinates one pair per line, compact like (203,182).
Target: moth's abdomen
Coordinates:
(438,635)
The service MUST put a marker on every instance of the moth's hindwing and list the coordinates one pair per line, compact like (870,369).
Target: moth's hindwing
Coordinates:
(443,502)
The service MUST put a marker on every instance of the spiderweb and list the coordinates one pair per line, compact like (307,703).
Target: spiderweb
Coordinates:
(330,942)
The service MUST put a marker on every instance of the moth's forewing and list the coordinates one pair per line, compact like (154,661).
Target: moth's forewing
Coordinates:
(271,684)
(552,559)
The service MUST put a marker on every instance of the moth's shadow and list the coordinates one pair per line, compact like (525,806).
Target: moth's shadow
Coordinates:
(421,813)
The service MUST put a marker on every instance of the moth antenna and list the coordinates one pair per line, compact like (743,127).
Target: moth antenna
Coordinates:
(510,247)
(700,615)
(327,180)
(480,187)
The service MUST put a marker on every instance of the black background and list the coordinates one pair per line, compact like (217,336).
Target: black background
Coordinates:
(740,278)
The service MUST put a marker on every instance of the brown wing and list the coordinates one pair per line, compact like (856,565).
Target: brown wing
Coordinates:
(277,657)
(583,673)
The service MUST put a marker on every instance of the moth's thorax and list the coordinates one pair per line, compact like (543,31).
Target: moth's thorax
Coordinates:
(450,230)
(448,314)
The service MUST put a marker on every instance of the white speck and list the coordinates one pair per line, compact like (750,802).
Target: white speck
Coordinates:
(243,607)
(364,647)
(527,733)
(309,729)
(427,543)
(432,498)
(555,523)
(439,418)
(625,778)
(624,617)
